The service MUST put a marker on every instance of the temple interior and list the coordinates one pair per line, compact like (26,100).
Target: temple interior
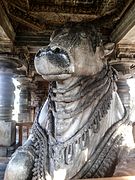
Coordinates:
(25,27)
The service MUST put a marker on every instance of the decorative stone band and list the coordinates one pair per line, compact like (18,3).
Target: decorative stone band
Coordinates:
(65,152)
(46,146)
(84,80)
(40,149)
(104,158)
(91,93)
(87,96)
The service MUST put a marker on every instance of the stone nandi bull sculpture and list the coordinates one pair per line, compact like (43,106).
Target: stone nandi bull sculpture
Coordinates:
(82,126)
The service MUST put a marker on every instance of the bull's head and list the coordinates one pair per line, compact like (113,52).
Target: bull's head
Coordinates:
(75,50)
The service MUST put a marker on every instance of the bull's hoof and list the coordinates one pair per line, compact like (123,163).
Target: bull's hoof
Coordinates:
(19,167)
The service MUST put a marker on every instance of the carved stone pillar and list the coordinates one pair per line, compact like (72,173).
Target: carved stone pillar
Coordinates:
(39,91)
(124,66)
(8,65)
(123,91)
(34,100)
(24,100)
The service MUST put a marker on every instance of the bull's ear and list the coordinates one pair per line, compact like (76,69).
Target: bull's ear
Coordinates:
(52,36)
(109,49)
(105,51)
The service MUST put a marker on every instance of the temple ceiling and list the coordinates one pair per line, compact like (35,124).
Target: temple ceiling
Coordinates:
(26,25)
(39,15)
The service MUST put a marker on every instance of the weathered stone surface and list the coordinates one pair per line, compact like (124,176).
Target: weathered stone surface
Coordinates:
(7,133)
(6,151)
(81,126)
(3,151)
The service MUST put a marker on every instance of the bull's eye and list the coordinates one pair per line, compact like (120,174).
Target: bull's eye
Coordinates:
(39,53)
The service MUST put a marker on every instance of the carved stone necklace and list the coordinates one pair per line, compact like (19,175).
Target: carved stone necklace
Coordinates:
(70,100)
(76,109)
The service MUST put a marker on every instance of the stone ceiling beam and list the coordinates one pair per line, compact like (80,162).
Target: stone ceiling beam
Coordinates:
(42,39)
(125,24)
(6,25)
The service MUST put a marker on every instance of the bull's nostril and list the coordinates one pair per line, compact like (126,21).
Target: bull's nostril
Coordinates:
(56,50)
(38,53)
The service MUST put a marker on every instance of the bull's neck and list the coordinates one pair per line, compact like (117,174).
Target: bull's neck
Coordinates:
(73,101)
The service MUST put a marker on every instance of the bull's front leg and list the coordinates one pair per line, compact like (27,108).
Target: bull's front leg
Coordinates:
(21,164)
(23,160)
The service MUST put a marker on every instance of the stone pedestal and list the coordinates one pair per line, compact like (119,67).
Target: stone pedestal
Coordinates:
(8,65)
(7,133)
(7,137)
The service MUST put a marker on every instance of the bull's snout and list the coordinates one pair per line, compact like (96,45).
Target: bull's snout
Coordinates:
(55,55)
(56,50)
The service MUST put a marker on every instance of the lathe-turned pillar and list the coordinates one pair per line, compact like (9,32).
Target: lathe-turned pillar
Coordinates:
(124,67)
(39,92)
(24,100)
(123,91)
(8,65)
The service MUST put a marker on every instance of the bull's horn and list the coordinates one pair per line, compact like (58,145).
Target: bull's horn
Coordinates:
(108,49)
